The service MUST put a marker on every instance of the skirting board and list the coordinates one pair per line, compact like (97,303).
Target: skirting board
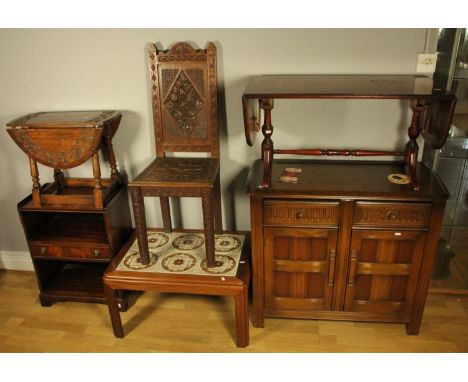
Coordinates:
(16,260)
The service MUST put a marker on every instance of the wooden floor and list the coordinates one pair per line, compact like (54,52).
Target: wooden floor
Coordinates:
(183,323)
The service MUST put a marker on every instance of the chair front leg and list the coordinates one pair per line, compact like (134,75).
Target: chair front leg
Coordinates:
(138,205)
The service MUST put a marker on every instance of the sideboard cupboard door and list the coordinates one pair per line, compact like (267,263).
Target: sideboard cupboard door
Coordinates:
(299,268)
(383,272)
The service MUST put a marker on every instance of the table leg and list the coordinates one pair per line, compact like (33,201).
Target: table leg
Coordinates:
(114,311)
(267,144)
(36,189)
(412,147)
(242,317)
(98,202)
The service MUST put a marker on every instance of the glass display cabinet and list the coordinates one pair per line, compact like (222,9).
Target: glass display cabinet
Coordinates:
(451,164)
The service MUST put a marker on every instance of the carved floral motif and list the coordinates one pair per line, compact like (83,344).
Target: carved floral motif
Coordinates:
(183,102)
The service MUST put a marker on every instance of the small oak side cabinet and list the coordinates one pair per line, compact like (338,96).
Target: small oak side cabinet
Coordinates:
(343,243)
(73,226)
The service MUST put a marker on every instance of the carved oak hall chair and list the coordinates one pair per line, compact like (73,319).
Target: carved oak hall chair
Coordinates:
(183,87)
(184,100)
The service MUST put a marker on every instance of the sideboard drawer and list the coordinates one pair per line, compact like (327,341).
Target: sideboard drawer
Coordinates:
(301,213)
(48,251)
(401,215)
(88,253)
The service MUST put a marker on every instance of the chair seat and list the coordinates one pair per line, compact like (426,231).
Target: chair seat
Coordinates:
(176,172)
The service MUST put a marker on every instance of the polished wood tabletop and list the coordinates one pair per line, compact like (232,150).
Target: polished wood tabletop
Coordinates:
(65,119)
(342,86)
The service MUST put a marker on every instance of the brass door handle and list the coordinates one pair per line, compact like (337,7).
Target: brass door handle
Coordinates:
(96,253)
(352,267)
(331,269)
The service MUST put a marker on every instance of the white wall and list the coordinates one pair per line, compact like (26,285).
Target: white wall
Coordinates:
(76,69)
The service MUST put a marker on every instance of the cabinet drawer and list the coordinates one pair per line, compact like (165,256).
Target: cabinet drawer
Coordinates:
(402,215)
(45,251)
(300,213)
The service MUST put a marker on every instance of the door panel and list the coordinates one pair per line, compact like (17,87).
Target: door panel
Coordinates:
(383,270)
(299,268)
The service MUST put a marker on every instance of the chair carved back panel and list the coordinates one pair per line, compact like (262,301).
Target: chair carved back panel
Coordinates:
(184,87)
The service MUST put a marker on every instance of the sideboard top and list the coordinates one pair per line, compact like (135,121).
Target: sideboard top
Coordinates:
(65,119)
(349,179)
(343,86)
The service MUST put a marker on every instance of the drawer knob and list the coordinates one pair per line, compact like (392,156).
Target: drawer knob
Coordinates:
(96,253)
(300,214)
(43,250)
(392,215)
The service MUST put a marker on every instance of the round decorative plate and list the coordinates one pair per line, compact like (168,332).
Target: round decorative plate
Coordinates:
(399,178)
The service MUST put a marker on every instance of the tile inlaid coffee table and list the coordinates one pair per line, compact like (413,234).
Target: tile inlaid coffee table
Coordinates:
(178,265)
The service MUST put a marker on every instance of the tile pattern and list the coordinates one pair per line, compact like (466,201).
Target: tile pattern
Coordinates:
(184,253)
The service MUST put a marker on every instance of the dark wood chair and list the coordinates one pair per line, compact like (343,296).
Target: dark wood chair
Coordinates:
(183,87)
(184,101)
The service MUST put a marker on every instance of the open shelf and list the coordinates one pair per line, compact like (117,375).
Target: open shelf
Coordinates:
(71,228)
(71,249)
(78,282)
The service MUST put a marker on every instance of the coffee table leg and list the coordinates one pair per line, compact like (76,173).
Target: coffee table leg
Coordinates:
(242,317)
(114,311)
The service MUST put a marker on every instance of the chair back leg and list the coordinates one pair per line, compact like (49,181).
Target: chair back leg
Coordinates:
(166,213)
(218,216)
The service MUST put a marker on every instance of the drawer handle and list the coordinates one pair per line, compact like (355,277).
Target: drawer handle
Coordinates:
(43,250)
(300,214)
(353,266)
(331,271)
(96,253)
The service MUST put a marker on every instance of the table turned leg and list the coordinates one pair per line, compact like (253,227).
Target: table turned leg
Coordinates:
(98,203)
(242,317)
(114,311)
(412,147)
(267,144)
(36,188)
(208,226)
(112,161)
(138,206)
(59,179)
